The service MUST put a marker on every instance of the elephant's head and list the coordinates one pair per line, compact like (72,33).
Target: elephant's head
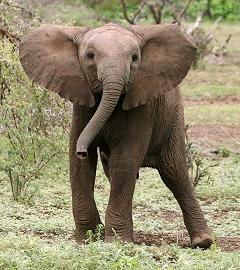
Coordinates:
(140,62)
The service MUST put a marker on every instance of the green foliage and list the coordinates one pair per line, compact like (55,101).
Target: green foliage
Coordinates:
(32,122)
(98,235)
(112,10)
(17,18)
(227,9)
(224,152)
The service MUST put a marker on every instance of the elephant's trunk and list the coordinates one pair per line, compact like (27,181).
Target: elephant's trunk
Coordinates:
(112,89)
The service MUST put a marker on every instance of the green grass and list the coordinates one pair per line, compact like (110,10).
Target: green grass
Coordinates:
(210,91)
(225,114)
(24,252)
(40,236)
(212,81)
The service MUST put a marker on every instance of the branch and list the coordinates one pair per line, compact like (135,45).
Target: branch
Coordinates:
(13,38)
(124,10)
(215,25)
(213,28)
(138,12)
(226,42)
(190,30)
(156,10)
(135,15)
(39,167)
(183,11)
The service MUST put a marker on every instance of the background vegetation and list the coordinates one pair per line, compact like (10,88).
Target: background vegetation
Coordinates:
(36,224)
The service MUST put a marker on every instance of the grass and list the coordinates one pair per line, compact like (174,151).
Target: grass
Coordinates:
(222,32)
(210,91)
(212,81)
(38,254)
(226,114)
(40,236)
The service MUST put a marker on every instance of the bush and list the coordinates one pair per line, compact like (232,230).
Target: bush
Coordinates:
(227,9)
(33,125)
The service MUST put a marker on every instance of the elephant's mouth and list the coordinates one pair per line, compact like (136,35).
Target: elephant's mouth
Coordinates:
(97,87)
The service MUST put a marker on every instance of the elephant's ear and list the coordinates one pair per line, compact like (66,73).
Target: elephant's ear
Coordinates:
(167,56)
(50,58)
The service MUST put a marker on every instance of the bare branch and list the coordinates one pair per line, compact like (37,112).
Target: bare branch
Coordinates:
(156,10)
(183,11)
(212,30)
(135,15)
(124,10)
(215,25)
(199,19)
(138,12)
(208,12)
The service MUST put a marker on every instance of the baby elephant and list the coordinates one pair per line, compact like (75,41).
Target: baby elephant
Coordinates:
(123,82)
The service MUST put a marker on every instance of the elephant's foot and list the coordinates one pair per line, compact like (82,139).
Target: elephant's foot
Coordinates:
(124,239)
(80,236)
(124,235)
(202,239)
(81,232)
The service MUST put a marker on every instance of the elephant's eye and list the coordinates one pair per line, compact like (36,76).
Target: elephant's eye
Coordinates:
(134,57)
(90,55)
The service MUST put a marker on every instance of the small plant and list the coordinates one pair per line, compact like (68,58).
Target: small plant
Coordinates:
(97,235)
(223,152)
(197,167)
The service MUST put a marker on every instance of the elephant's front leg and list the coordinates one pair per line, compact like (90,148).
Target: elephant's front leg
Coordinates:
(82,176)
(119,212)
(124,163)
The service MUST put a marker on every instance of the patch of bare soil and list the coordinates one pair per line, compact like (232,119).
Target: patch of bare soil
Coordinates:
(208,135)
(170,215)
(229,244)
(228,99)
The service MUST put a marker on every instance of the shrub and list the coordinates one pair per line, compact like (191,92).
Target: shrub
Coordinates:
(197,164)
(33,125)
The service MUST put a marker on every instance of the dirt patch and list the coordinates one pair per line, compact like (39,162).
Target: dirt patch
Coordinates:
(228,244)
(208,135)
(170,216)
(196,101)
(158,239)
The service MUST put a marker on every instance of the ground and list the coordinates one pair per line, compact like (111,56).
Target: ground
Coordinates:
(40,236)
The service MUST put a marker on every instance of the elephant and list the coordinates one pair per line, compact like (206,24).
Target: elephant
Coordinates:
(123,82)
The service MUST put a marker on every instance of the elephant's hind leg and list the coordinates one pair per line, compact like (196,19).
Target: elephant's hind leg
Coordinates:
(82,176)
(105,162)
(174,173)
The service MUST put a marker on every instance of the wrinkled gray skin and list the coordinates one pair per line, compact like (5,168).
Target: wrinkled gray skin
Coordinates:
(132,112)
